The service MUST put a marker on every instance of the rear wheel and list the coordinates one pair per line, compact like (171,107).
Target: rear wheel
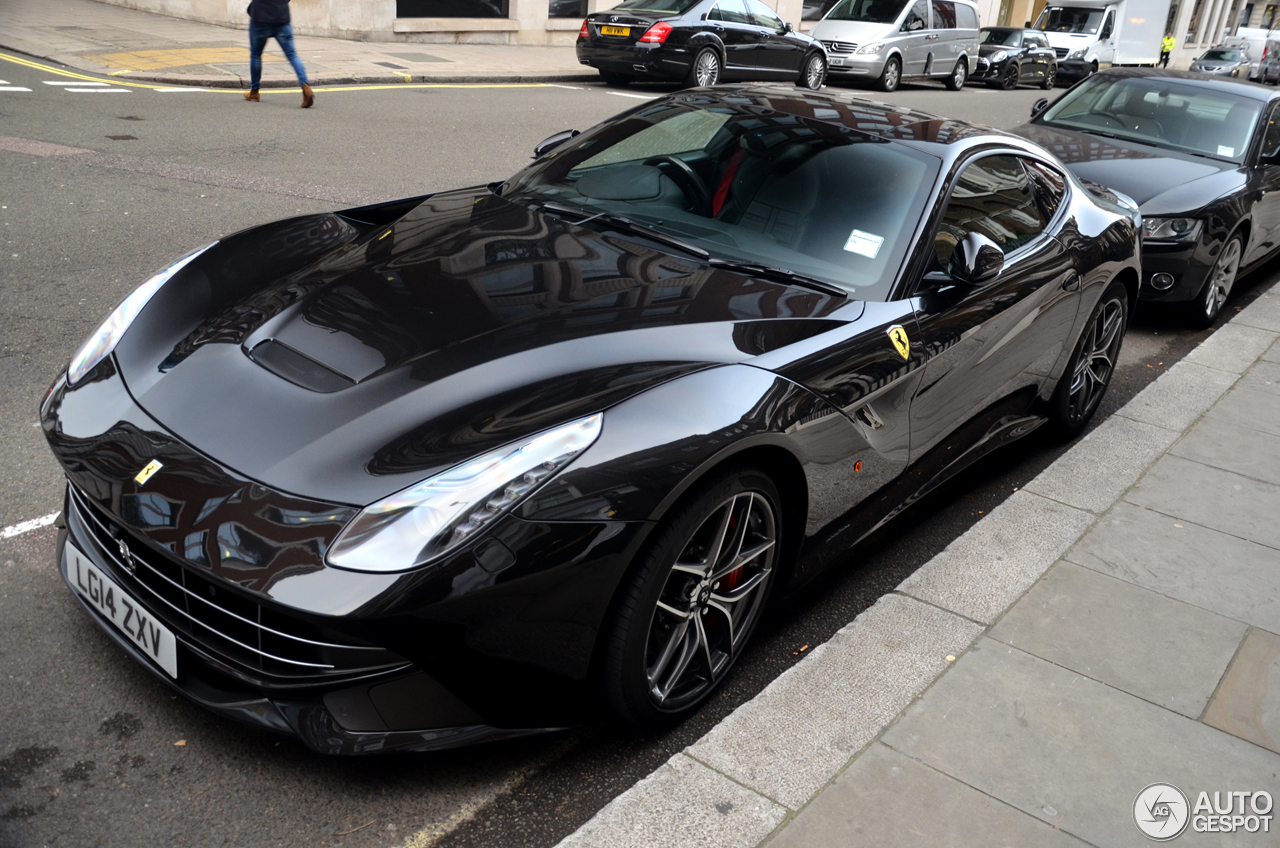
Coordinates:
(1082,385)
(814,72)
(1217,288)
(959,74)
(698,593)
(705,69)
(891,75)
(618,80)
(1050,78)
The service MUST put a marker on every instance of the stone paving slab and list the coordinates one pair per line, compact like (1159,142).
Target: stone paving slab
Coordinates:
(1247,704)
(1263,377)
(1177,403)
(1251,408)
(1233,347)
(1273,354)
(1264,312)
(1068,750)
(1231,447)
(886,800)
(1234,504)
(1109,630)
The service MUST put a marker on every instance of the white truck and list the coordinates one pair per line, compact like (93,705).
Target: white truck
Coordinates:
(1092,34)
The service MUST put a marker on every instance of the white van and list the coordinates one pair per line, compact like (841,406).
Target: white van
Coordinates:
(887,41)
(1092,34)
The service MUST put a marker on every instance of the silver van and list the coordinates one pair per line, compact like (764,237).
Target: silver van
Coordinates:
(891,40)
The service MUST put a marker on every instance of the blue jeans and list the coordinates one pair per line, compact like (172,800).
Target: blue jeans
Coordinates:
(259,35)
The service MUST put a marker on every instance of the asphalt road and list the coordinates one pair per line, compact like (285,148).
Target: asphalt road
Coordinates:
(93,749)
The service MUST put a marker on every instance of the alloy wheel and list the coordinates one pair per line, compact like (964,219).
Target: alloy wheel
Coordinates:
(814,73)
(1091,372)
(1010,81)
(1221,280)
(891,75)
(708,68)
(711,600)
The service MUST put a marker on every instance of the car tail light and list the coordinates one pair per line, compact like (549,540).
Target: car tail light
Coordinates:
(584,32)
(657,33)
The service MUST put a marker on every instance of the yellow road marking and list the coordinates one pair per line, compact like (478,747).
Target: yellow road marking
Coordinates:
(151,60)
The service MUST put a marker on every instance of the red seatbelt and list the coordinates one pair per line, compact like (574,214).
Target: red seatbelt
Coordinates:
(722,192)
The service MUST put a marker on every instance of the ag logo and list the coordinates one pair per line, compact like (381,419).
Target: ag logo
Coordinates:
(901,343)
(147,471)
(1161,812)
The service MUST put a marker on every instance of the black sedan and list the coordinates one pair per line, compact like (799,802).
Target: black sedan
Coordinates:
(1009,57)
(471,464)
(698,42)
(1199,155)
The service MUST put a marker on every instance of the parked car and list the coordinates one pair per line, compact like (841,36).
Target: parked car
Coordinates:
(887,41)
(456,467)
(698,42)
(1223,62)
(1199,154)
(1009,57)
(1269,67)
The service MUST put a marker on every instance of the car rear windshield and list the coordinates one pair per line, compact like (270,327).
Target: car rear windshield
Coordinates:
(1006,37)
(867,11)
(660,7)
(1069,19)
(765,187)
(1222,55)
(1161,113)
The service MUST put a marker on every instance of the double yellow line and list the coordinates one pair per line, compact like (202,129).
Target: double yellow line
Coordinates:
(49,69)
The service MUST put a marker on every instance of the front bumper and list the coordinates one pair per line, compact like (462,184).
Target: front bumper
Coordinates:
(985,71)
(1188,264)
(869,65)
(658,61)
(1073,68)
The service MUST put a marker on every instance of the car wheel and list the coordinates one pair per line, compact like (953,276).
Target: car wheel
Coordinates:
(814,73)
(705,69)
(1050,78)
(1217,288)
(617,80)
(959,74)
(1012,74)
(891,75)
(697,594)
(1093,67)
(1084,382)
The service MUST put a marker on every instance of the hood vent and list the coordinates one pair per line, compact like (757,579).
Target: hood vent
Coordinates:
(297,368)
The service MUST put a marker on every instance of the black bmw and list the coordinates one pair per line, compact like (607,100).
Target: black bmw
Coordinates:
(698,42)
(464,465)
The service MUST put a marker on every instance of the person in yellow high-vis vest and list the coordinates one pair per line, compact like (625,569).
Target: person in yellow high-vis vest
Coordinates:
(1166,47)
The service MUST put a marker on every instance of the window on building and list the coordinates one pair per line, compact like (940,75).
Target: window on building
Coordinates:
(567,9)
(451,8)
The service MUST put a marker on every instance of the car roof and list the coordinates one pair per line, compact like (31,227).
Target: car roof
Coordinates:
(1240,88)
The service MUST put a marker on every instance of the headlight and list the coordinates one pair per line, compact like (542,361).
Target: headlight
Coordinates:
(104,339)
(1076,54)
(1172,229)
(873,47)
(426,521)
(999,56)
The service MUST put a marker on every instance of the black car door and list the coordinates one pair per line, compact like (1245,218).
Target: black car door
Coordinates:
(1264,179)
(730,21)
(781,51)
(990,346)
(1031,58)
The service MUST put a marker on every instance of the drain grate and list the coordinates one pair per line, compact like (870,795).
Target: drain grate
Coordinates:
(392,65)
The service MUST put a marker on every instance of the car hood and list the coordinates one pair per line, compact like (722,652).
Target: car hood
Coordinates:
(1162,182)
(343,361)
(857,32)
(988,49)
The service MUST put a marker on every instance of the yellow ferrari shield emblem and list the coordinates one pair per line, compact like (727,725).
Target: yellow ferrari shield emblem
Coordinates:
(901,343)
(147,471)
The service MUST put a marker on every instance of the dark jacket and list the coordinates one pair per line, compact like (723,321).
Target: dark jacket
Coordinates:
(269,11)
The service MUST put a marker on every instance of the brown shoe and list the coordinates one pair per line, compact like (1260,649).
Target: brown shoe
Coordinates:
(252,96)
(308,96)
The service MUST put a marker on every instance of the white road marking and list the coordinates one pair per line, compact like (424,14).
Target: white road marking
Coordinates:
(636,96)
(180,88)
(570,87)
(13,88)
(27,526)
(78,82)
(98,90)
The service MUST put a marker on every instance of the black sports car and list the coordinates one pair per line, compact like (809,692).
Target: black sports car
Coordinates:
(459,466)
(700,42)
(1201,156)
(1009,57)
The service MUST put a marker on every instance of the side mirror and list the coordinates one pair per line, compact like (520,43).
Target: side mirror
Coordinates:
(551,142)
(976,259)
(786,27)
(1039,106)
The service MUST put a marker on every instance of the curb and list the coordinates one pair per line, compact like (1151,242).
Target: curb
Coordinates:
(752,772)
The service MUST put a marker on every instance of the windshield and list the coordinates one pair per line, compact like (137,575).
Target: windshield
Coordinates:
(868,11)
(1005,37)
(1069,19)
(1160,113)
(1221,55)
(661,7)
(761,187)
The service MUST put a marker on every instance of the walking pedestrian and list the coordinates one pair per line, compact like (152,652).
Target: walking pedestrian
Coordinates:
(270,19)
(1166,47)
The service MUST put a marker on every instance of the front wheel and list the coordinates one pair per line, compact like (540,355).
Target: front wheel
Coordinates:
(696,596)
(705,69)
(1050,78)
(1217,288)
(891,75)
(1082,385)
(959,74)
(814,73)
(1012,74)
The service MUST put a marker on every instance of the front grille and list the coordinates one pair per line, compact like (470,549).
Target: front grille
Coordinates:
(250,637)
(840,46)
(1061,51)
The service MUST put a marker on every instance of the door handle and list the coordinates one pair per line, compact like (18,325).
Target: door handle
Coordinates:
(1072,283)
(932,37)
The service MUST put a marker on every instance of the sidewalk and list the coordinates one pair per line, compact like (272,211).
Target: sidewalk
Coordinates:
(144,47)
(1111,626)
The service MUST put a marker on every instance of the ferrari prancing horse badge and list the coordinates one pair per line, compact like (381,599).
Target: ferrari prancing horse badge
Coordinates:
(149,469)
(898,336)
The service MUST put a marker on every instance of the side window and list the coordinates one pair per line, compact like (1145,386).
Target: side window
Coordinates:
(730,11)
(1271,137)
(995,197)
(1050,187)
(966,17)
(944,14)
(917,17)
(764,16)
(1107,24)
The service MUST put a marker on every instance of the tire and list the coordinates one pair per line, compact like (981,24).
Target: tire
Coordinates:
(814,72)
(959,74)
(891,75)
(615,80)
(1204,310)
(675,634)
(1093,68)
(1011,77)
(1050,78)
(1088,373)
(705,69)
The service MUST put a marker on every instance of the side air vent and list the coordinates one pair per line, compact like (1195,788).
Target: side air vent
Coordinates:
(301,370)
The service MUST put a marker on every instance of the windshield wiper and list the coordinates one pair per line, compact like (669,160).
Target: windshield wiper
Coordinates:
(779,274)
(618,222)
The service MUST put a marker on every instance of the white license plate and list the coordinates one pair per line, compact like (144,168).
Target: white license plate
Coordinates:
(150,636)
(836,61)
